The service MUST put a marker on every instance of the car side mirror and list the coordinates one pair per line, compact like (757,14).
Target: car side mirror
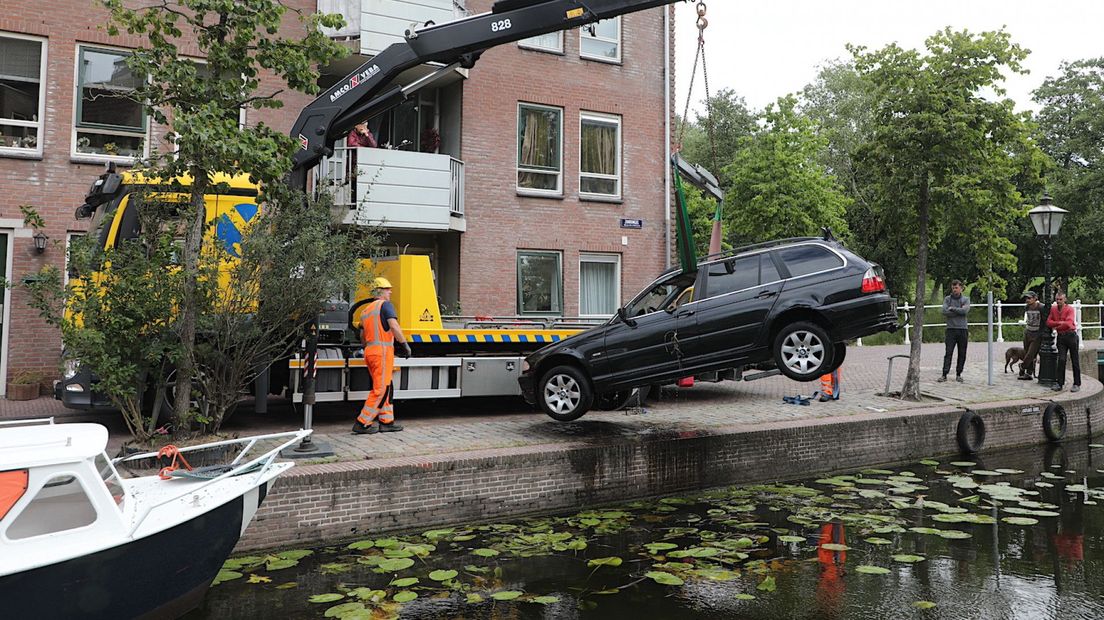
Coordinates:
(621,314)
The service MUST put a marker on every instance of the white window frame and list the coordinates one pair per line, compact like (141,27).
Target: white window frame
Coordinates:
(602,118)
(517,270)
(585,34)
(76,155)
(598,257)
(517,154)
(531,44)
(40,124)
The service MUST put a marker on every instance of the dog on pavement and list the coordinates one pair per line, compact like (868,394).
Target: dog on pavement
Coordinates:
(1012,356)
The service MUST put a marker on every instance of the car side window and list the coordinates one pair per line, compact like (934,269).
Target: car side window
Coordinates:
(810,258)
(661,295)
(733,275)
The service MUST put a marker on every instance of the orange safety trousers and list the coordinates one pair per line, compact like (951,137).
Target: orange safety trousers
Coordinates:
(830,385)
(379,357)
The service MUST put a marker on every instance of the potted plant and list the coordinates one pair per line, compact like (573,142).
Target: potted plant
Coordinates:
(111,148)
(24,385)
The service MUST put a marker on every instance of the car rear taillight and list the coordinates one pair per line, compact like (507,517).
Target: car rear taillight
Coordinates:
(873,280)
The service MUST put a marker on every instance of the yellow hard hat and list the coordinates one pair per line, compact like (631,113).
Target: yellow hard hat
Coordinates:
(382,282)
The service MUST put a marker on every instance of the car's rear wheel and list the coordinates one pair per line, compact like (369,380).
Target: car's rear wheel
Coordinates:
(564,393)
(803,352)
(840,352)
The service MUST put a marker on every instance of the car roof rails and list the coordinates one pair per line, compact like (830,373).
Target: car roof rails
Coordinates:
(758,246)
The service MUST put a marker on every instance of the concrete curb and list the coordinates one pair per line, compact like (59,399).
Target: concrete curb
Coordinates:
(318,504)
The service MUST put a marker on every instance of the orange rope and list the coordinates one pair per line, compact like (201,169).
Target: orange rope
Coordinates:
(174,452)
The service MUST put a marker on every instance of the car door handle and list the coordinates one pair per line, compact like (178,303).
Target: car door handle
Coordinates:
(685,312)
(765,294)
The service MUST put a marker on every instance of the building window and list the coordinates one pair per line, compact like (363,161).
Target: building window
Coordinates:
(601,40)
(551,42)
(600,155)
(540,283)
(599,284)
(540,148)
(22,65)
(109,121)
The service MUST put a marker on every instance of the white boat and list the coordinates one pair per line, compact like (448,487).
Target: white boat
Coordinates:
(77,540)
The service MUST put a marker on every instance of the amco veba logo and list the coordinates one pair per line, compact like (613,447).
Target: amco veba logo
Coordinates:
(230,225)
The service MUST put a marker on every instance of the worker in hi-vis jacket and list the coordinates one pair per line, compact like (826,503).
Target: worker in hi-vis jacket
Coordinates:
(379,324)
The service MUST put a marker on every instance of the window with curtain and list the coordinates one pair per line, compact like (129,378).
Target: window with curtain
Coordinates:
(22,64)
(551,42)
(540,140)
(601,40)
(600,155)
(109,121)
(539,282)
(599,284)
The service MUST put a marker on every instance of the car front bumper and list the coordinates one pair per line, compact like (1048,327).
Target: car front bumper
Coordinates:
(77,393)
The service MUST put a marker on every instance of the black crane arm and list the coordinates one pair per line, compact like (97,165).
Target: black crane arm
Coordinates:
(362,93)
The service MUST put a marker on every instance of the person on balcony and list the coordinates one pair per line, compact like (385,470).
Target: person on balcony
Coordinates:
(359,137)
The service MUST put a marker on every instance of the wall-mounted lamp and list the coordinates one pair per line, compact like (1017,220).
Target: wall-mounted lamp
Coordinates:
(40,240)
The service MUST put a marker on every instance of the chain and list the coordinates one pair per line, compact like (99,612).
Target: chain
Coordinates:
(702,24)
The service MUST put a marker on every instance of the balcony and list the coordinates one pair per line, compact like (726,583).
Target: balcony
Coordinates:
(380,23)
(396,189)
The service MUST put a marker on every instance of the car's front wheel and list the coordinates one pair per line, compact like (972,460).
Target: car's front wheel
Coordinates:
(564,393)
(803,352)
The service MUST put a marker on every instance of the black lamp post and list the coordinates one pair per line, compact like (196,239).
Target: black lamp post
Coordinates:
(1047,220)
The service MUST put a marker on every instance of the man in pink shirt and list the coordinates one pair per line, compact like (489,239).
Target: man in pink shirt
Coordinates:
(1061,320)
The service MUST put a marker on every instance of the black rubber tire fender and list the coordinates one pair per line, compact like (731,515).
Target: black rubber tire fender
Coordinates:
(817,331)
(565,372)
(970,433)
(1054,422)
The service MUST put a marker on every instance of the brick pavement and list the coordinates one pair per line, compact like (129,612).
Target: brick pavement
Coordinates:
(448,426)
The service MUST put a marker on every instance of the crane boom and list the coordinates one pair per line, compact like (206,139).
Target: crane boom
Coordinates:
(368,90)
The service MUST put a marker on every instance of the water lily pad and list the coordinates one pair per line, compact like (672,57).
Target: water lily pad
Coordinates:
(1047,474)
(474,599)
(767,585)
(544,600)
(506,595)
(294,554)
(610,561)
(930,463)
(280,564)
(908,558)
(1033,513)
(1076,488)
(405,596)
(791,539)
(698,552)
(259,579)
(744,597)
(287,586)
(834,547)
(387,543)
(346,610)
(876,472)
(954,534)
(485,553)
(435,534)
(1011,472)
(404,582)
(1020,520)
(923,604)
(657,547)
(872,570)
(326,598)
(717,574)
(398,553)
(394,564)
(442,575)
(577,544)
(663,578)
(984,472)
(963,463)
(874,540)
(361,544)
(925,530)
(1096,445)
(1044,485)
(226,575)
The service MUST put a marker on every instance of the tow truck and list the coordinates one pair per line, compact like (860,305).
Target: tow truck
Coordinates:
(481,357)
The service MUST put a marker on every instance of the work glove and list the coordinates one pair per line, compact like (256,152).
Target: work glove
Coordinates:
(405,346)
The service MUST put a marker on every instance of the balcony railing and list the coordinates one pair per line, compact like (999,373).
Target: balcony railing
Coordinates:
(396,189)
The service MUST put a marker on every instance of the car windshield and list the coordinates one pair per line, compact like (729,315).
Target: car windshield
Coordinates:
(660,295)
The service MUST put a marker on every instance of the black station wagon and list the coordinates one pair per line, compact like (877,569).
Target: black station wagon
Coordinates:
(788,304)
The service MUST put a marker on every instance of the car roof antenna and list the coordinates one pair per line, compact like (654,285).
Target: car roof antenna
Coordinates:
(827,233)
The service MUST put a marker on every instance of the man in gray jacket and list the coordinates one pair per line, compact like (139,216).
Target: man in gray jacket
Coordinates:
(955,307)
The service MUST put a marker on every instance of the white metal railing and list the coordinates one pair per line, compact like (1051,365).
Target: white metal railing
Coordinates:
(456,195)
(997,311)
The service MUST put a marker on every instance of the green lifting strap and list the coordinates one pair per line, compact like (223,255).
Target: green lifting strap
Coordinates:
(688,258)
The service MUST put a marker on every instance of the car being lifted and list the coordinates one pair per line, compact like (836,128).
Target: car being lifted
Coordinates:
(790,304)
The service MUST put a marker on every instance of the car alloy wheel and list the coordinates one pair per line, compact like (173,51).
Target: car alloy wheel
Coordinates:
(803,352)
(562,394)
(565,393)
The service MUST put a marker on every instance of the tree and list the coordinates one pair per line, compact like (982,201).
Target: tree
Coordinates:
(942,157)
(1071,122)
(731,120)
(241,42)
(778,187)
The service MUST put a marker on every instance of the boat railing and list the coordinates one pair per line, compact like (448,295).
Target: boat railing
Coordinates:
(258,466)
(27,422)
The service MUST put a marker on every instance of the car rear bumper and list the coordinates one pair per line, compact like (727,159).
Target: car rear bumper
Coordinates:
(864,316)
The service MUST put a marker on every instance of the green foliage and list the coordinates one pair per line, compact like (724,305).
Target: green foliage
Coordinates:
(31,217)
(731,119)
(778,186)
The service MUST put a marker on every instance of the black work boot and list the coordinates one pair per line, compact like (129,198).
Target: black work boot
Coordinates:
(360,429)
(393,427)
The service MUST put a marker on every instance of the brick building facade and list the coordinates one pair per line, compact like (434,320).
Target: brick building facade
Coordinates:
(551,227)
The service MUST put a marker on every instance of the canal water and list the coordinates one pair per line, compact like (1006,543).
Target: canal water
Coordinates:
(1012,535)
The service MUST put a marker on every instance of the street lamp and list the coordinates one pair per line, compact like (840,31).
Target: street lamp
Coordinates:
(1047,220)
(40,240)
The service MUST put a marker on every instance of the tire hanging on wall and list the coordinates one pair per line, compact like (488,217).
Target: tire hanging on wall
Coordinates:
(970,433)
(1054,422)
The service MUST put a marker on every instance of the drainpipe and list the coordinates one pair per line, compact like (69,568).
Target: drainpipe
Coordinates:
(667,137)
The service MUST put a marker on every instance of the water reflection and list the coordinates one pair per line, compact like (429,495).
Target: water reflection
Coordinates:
(1017,536)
